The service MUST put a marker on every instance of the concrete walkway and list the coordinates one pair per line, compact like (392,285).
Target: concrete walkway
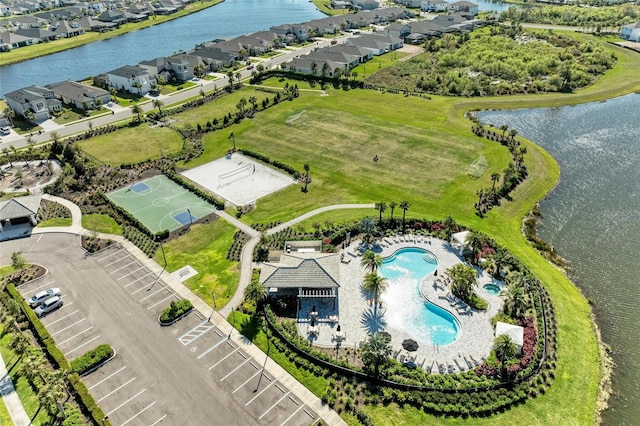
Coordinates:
(219,317)
(11,399)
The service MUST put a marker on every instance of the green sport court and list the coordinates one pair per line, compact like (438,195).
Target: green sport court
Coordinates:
(159,203)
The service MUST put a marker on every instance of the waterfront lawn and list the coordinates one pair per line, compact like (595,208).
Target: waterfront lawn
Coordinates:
(101,223)
(324,6)
(133,144)
(205,247)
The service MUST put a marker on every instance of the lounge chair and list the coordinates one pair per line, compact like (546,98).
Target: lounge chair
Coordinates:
(451,366)
(462,365)
(470,364)
(475,359)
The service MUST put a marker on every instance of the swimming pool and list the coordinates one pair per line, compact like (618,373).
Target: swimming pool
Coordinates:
(406,308)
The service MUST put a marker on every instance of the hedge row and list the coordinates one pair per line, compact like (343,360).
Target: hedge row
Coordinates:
(86,402)
(275,163)
(91,359)
(175,310)
(191,187)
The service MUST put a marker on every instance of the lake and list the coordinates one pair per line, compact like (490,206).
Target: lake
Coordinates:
(592,218)
(225,20)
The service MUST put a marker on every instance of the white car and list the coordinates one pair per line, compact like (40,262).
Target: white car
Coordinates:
(40,297)
(4,130)
(49,305)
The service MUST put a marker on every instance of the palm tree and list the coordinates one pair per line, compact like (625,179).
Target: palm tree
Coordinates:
(504,348)
(392,206)
(230,76)
(113,92)
(157,103)
(367,227)
(314,68)
(464,280)
(375,284)
(504,129)
(19,344)
(255,292)
(381,207)
(495,178)
(515,303)
(306,177)
(376,352)
(404,205)
(5,151)
(475,241)
(371,261)
(512,134)
(254,102)
(136,109)
(10,114)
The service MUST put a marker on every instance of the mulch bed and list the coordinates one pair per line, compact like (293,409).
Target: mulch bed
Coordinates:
(25,275)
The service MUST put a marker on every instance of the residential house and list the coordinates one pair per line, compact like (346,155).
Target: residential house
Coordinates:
(38,34)
(361,53)
(214,57)
(378,44)
(365,4)
(132,79)
(429,28)
(89,24)
(464,6)
(38,101)
(113,17)
(10,41)
(79,95)
(18,215)
(434,6)
(5,10)
(174,69)
(631,32)
(339,4)
(398,29)
(66,29)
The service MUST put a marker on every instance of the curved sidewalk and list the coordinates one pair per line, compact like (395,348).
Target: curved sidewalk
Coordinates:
(219,317)
(11,400)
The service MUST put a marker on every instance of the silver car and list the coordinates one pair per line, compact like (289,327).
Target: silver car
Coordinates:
(41,296)
(49,305)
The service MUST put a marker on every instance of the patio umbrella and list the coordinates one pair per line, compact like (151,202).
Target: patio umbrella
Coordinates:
(410,345)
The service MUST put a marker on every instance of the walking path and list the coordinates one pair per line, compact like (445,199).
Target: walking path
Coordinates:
(11,399)
(219,317)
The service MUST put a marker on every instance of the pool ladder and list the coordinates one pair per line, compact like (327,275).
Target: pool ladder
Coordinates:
(429,258)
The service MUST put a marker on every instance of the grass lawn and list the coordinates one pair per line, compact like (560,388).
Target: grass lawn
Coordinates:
(133,144)
(56,221)
(205,247)
(324,6)
(5,418)
(23,389)
(378,62)
(101,223)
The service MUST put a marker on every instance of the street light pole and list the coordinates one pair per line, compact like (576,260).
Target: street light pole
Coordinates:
(233,320)
(214,307)
(163,268)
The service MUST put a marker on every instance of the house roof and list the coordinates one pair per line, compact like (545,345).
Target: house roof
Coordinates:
(464,3)
(76,91)
(27,94)
(19,207)
(128,71)
(302,270)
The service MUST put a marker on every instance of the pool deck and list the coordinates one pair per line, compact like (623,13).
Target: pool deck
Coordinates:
(357,318)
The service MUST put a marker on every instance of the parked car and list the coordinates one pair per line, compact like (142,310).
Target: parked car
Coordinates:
(49,305)
(40,297)
(4,130)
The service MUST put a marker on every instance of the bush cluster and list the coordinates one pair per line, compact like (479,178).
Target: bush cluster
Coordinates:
(142,240)
(191,187)
(235,250)
(175,310)
(91,359)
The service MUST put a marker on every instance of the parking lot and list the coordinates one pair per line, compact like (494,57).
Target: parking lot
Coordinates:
(189,373)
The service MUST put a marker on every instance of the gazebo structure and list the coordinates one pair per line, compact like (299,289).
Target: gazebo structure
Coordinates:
(303,274)
(514,331)
(459,240)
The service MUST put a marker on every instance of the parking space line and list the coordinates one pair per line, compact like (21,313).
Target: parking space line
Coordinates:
(108,377)
(66,316)
(84,344)
(135,281)
(236,369)
(73,337)
(163,300)
(140,289)
(247,381)
(139,412)
(152,294)
(125,266)
(66,305)
(212,348)
(115,390)
(271,408)
(291,416)
(68,327)
(226,356)
(109,255)
(120,406)
(260,393)
(35,290)
(159,420)
(130,273)
(116,261)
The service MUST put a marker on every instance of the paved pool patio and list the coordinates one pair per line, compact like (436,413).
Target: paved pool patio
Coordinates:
(357,318)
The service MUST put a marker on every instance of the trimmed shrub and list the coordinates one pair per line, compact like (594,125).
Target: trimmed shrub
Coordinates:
(91,359)
(175,310)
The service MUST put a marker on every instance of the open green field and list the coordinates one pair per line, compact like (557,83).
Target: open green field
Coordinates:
(101,223)
(41,49)
(133,144)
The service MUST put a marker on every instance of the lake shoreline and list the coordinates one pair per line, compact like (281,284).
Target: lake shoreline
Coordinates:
(107,35)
